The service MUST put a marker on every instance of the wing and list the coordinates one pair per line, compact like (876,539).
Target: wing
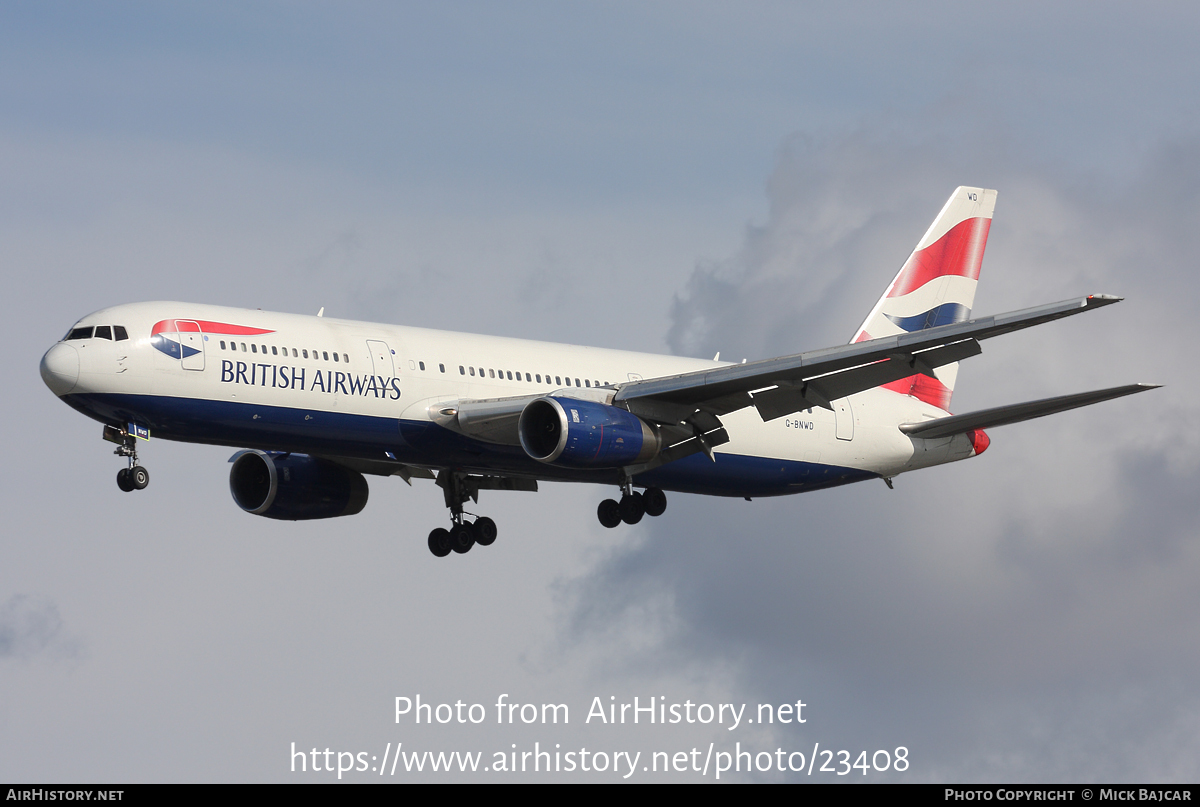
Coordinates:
(777,387)
(386,467)
(687,408)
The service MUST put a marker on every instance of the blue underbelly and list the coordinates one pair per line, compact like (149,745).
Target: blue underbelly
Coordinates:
(342,434)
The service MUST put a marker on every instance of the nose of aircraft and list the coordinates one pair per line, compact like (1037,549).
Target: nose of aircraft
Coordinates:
(60,368)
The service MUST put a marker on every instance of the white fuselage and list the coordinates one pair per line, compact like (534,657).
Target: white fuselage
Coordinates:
(268,380)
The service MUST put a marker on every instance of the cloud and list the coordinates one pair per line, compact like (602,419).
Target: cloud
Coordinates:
(1028,615)
(32,626)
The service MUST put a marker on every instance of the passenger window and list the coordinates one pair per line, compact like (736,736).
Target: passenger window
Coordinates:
(253,348)
(528,377)
(294,354)
(325,353)
(104,332)
(442,367)
(463,371)
(510,375)
(243,347)
(80,333)
(576,381)
(274,350)
(421,364)
(306,354)
(539,378)
(120,332)
(558,380)
(472,372)
(586,383)
(335,357)
(491,373)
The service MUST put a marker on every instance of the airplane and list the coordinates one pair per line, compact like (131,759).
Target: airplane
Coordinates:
(315,404)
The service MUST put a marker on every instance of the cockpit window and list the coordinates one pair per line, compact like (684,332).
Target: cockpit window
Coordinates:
(80,333)
(104,332)
(120,333)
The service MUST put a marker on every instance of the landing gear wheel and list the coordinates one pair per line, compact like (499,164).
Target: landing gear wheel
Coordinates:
(485,531)
(439,542)
(655,501)
(632,508)
(462,538)
(609,513)
(123,480)
(139,476)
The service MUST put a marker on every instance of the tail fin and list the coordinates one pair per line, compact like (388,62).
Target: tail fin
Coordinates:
(936,286)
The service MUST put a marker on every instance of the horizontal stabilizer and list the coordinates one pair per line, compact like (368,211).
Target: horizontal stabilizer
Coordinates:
(1015,413)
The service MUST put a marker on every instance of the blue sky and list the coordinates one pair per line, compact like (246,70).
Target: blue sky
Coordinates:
(739,177)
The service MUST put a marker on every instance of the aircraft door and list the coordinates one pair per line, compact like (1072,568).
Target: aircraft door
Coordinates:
(382,359)
(844,418)
(191,344)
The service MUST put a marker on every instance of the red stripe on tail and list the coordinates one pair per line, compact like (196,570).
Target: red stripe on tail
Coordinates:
(958,252)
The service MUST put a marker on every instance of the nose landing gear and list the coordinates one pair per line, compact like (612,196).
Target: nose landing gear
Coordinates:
(135,477)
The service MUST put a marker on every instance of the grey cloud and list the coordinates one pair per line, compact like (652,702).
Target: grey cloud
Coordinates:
(1027,615)
(32,626)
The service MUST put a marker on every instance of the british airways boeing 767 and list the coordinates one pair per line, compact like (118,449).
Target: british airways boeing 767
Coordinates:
(315,402)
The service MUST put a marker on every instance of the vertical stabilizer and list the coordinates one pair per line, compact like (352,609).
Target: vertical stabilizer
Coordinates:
(936,286)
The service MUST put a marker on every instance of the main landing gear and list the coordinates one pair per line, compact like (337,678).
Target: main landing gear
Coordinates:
(135,477)
(463,534)
(632,507)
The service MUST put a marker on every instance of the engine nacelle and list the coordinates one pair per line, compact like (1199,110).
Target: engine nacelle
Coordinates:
(585,434)
(295,487)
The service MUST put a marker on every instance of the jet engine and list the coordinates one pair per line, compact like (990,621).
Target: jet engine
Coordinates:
(585,434)
(295,487)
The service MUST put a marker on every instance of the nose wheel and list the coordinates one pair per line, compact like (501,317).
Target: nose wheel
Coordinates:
(135,477)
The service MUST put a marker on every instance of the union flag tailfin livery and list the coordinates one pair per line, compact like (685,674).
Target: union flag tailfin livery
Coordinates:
(317,404)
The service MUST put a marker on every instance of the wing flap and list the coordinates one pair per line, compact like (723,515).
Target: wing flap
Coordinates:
(790,397)
(1015,413)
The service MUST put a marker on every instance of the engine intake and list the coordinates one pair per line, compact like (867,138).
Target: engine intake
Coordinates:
(295,487)
(585,434)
